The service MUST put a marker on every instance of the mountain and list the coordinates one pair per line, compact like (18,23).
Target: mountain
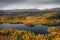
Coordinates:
(16,11)
(52,9)
(22,10)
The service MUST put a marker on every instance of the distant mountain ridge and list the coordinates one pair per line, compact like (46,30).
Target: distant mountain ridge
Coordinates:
(27,10)
(52,9)
(22,10)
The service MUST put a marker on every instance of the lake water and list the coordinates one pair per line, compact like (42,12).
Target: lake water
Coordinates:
(36,29)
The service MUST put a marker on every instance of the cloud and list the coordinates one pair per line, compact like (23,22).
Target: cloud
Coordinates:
(13,4)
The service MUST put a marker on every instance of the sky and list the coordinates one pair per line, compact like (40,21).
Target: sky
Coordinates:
(28,4)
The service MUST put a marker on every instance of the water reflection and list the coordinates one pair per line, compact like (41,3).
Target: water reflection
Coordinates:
(36,29)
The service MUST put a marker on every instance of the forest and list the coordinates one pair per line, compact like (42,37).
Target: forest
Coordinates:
(13,34)
(45,18)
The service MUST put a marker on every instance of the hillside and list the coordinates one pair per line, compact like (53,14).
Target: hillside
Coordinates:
(51,18)
(31,17)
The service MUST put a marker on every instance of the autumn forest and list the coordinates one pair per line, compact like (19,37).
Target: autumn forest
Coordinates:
(30,19)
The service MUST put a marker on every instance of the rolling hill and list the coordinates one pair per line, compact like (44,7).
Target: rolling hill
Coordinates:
(31,16)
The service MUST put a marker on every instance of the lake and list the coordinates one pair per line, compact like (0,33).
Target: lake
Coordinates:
(36,29)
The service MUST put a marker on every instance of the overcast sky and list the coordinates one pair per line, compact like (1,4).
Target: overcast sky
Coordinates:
(29,4)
